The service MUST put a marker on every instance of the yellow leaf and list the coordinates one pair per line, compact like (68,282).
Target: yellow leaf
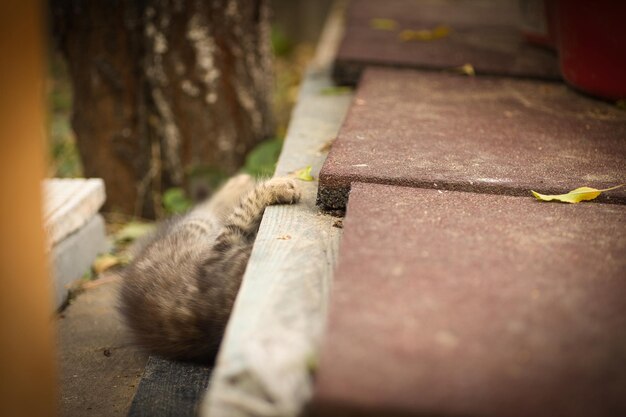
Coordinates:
(132,231)
(304,174)
(107,261)
(335,91)
(575,196)
(312,362)
(383,24)
(467,69)
(438,32)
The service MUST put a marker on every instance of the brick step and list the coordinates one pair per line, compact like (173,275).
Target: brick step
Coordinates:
(450,303)
(482,134)
(484,34)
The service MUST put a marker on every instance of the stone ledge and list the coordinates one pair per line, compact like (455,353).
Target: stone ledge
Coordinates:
(450,303)
(73,256)
(480,134)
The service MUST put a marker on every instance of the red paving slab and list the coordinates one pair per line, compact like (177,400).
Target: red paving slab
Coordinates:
(482,134)
(483,33)
(460,304)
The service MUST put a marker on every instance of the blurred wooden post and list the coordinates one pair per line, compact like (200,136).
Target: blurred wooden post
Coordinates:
(27,370)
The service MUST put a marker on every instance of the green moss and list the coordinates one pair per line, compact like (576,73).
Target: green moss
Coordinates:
(175,201)
(64,157)
(261,161)
(281,44)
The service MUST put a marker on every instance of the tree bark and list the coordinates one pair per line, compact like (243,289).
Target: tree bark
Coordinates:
(166,93)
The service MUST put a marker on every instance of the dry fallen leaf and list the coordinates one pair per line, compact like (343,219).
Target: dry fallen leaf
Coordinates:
(107,278)
(133,231)
(467,69)
(383,24)
(575,196)
(304,174)
(438,32)
(284,237)
(107,261)
(325,148)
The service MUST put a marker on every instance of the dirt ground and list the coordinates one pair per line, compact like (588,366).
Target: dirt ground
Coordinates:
(99,367)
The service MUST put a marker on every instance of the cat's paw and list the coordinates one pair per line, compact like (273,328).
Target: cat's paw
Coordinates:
(283,191)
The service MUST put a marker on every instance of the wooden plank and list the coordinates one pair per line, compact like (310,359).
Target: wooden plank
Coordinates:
(170,389)
(59,192)
(264,366)
(69,204)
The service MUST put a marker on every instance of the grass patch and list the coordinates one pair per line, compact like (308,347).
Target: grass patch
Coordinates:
(261,161)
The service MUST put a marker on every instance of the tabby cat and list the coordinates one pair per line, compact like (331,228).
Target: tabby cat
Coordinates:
(177,293)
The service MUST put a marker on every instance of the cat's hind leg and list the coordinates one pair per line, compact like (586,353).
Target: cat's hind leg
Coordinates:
(233,244)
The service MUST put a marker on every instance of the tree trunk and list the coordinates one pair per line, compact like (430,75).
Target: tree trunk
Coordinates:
(166,93)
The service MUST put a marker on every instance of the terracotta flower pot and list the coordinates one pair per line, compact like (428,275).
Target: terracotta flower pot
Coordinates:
(591,39)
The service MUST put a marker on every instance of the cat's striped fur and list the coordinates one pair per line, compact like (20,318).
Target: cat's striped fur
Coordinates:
(177,294)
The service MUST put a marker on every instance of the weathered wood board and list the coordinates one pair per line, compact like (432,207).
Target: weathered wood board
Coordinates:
(270,346)
(70,204)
